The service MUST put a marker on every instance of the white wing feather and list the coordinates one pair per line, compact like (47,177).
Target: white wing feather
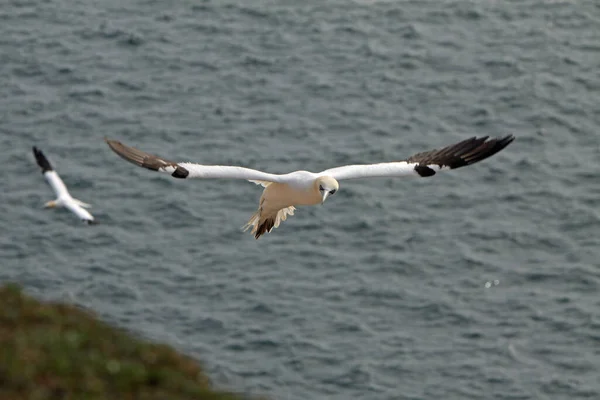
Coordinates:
(76,209)
(392,169)
(56,184)
(224,171)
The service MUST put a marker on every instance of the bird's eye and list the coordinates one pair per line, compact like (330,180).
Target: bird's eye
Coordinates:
(321,188)
(332,192)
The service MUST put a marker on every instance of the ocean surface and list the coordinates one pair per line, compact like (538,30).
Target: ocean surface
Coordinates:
(479,283)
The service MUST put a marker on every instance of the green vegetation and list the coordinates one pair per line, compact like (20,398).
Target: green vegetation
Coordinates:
(57,351)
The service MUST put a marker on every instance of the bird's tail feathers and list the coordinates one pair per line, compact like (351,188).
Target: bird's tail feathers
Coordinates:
(82,204)
(252,222)
(262,224)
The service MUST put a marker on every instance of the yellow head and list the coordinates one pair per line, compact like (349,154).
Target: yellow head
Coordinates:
(327,186)
(50,204)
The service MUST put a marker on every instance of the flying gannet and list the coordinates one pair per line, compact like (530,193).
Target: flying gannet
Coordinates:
(302,188)
(63,198)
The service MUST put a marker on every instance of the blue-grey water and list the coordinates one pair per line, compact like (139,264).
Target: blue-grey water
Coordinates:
(480,283)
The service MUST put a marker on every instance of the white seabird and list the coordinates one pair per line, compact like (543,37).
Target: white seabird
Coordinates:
(302,188)
(63,197)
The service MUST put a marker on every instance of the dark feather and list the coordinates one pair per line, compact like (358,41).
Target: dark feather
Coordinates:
(145,160)
(458,155)
(265,227)
(42,161)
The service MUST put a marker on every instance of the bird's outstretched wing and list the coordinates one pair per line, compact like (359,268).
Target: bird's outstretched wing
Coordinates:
(188,169)
(50,174)
(426,164)
(74,206)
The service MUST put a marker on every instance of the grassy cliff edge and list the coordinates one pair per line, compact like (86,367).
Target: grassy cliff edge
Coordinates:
(58,351)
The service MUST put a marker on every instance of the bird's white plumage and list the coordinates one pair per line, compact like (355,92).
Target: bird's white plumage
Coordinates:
(284,191)
(57,184)
(390,169)
(74,206)
(296,178)
(63,197)
(224,171)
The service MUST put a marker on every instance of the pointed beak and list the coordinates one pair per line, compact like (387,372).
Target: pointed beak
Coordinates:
(50,204)
(324,194)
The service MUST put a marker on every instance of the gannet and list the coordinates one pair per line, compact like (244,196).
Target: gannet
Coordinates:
(282,192)
(63,198)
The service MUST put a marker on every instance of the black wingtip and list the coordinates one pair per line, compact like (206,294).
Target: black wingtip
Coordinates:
(485,150)
(180,172)
(466,152)
(424,171)
(42,161)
